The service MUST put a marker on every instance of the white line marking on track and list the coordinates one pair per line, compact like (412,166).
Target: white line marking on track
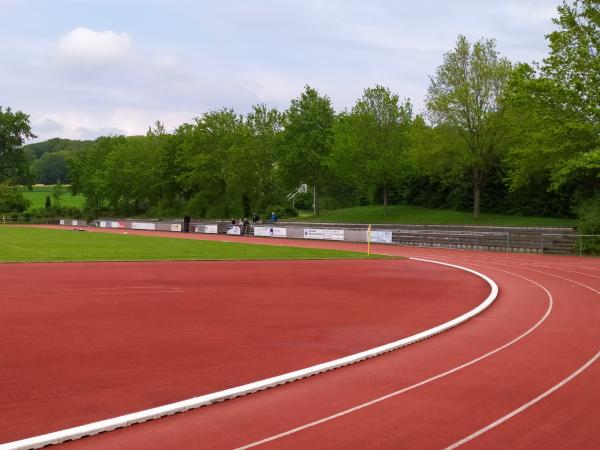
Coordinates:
(525,406)
(416,385)
(207,399)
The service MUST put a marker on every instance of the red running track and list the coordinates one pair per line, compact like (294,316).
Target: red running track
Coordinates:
(90,341)
(524,374)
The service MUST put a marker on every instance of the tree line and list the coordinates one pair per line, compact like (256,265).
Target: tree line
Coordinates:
(495,136)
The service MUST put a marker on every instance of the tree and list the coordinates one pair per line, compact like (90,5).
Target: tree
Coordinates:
(52,168)
(554,110)
(307,141)
(57,192)
(14,130)
(465,94)
(205,148)
(12,198)
(249,170)
(371,142)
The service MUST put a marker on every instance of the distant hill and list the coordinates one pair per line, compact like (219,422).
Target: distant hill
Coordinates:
(55,145)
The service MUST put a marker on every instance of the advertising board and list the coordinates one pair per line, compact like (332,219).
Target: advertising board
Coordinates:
(209,229)
(270,231)
(235,230)
(143,226)
(381,236)
(324,234)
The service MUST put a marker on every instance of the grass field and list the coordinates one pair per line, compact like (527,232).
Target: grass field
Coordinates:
(38,244)
(38,195)
(420,215)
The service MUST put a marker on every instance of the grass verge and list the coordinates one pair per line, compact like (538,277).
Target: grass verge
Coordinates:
(28,244)
(38,195)
(419,215)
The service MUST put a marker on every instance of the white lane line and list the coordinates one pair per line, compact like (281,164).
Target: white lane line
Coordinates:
(562,278)
(416,385)
(525,406)
(197,402)
(568,270)
(160,286)
(549,391)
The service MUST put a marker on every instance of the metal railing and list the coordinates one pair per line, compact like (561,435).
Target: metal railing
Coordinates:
(8,220)
(579,239)
(476,239)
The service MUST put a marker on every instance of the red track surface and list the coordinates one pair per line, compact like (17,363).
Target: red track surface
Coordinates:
(91,341)
(542,331)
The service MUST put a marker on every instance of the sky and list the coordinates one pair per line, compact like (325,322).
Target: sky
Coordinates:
(87,68)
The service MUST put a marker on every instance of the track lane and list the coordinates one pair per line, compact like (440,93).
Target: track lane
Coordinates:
(129,343)
(447,411)
(330,393)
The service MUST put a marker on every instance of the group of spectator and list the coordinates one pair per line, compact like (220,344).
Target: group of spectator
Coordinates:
(244,224)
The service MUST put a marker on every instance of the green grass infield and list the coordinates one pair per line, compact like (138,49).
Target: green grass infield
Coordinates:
(29,244)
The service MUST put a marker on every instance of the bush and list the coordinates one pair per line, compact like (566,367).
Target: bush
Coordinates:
(588,222)
(12,199)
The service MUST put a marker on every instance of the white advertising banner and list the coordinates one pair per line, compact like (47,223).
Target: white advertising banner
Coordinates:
(382,236)
(103,224)
(270,231)
(176,227)
(75,223)
(209,229)
(235,230)
(62,221)
(143,226)
(324,233)
(114,224)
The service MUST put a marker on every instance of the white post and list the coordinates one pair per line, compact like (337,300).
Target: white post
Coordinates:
(315,200)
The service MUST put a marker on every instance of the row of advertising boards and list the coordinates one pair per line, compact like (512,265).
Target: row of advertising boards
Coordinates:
(149,226)
(328,234)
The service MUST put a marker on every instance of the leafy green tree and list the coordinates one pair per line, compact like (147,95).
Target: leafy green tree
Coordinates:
(14,131)
(88,174)
(251,160)
(58,191)
(371,143)
(12,198)
(131,177)
(306,142)
(52,168)
(554,110)
(465,95)
(204,150)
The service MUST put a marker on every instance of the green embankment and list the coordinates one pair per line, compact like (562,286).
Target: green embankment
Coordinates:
(420,215)
(38,244)
(38,195)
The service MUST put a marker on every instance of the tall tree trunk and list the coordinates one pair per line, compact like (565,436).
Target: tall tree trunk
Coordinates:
(316,200)
(477,177)
(385,201)
(476,199)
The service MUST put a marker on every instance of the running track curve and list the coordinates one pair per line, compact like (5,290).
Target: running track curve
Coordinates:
(524,374)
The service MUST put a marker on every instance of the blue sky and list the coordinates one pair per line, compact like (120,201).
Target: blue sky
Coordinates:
(84,68)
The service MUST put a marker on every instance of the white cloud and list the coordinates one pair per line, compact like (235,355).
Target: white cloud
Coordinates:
(87,49)
(271,87)
(166,63)
(529,13)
